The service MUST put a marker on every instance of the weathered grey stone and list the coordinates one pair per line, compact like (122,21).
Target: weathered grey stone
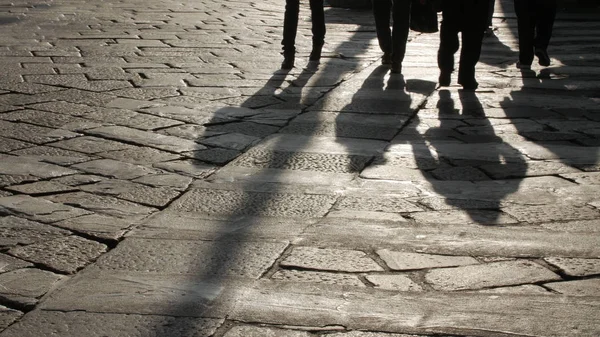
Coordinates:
(330,259)
(17,231)
(144,138)
(586,178)
(368,334)
(29,166)
(42,187)
(114,168)
(215,155)
(103,204)
(7,144)
(79,179)
(53,155)
(33,133)
(394,282)
(74,324)
(384,203)
(67,254)
(590,287)
(238,202)
(462,216)
(39,209)
(234,141)
(175,181)
(489,275)
(8,316)
(142,194)
(459,173)
(439,203)
(257,331)
(97,225)
(366,215)
(140,155)
(26,286)
(90,145)
(9,263)
(524,289)
(574,266)
(192,168)
(232,258)
(528,169)
(546,213)
(317,277)
(408,261)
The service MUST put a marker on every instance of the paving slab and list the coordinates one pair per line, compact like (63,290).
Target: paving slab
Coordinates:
(330,259)
(38,209)
(26,286)
(588,287)
(408,261)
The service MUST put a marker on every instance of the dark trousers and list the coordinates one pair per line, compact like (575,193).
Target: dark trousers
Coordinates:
(535,19)
(290,25)
(468,17)
(491,12)
(392,40)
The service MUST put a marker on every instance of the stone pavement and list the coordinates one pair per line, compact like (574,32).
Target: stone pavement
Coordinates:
(159,176)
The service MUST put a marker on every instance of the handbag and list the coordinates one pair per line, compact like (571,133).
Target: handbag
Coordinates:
(423,16)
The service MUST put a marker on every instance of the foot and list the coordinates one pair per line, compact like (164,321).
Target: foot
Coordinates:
(396,68)
(523,66)
(288,63)
(315,54)
(470,85)
(445,78)
(386,59)
(543,57)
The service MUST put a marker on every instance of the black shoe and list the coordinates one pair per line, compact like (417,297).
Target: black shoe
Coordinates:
(543,57)
(470,85)
(288,63)
(396,68)
(386,59)
(315,54)
(523,66)
(445,78)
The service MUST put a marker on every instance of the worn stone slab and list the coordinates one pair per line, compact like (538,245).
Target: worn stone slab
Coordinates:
(8,316)
(568,154)
(585,178)
(234,141)
(192,168)
(53,155)
(26,286)
(67,254)
(330,259)
(90,145)
(41,187)
(407,261)
(74,324)
(232,173)
(144,138)
(103,204)
(175,181)
(381,203)
(328,145)
(590,287)
(233,203)
(39,209)
(574,266)
(394,282)
(18,165)
(114,168)
(203,258)
(524,289)
(8,144)
(317,277)
(9,263)
(528,169)
(488,275)
(257,331)
(138,193)
(78,179)
(546,213)
(140,155)
(33,133)
(421,313)
(464,216)
(97,226)
(16,231)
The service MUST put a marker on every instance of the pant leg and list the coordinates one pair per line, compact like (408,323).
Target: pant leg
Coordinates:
(401,24)
(290,26)
(474,23)
(546,13)
(448,36)
(492,4)
(318,22)
(526,28)
(381,12)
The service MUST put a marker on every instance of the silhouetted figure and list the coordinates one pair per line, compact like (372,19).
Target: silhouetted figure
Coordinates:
(392,41)
(469,17)
(290,28)
(490,24)
(535,19)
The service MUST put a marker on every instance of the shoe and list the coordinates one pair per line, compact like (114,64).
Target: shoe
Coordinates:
(523,66)
(315,54)
(445,78)
(288,63)
(396,68)
(543,57)
(469,85)
(386,59)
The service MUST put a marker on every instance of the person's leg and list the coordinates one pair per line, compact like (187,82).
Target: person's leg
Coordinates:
(318,28)
(290,27)
(526,30)
(401,17)
(492,4)
(472,39)
(381,13)
(448,41)
(546,13)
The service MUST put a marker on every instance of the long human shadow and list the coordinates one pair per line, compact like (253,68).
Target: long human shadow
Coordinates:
(256,194)
(563,97)
(474,176)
